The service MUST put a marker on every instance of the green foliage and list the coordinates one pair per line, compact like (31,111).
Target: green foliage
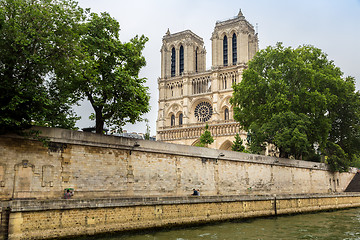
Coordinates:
(356,162)
(238,144)
(52,53)
(287,131)
(296,99)
(38,44)
(205,138)
(337,158)
(147,133)
(110,73)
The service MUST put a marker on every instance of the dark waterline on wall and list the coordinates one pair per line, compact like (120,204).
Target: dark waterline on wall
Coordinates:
(342,224)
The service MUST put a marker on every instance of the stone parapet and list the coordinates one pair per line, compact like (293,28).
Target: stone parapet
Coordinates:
(66,204)
(194,131)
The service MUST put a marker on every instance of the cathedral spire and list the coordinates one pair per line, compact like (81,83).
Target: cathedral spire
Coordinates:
(240,13)
(168,32)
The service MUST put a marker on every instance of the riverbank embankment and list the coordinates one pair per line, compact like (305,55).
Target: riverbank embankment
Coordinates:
(109,177)
(43,219)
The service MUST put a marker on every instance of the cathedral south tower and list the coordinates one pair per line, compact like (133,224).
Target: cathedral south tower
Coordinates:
(191,96)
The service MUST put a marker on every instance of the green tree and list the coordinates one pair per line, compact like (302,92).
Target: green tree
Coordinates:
(296,99)
(238,144)
(147,133)
(344,136)
(205,138)
(39,42)
(110,77)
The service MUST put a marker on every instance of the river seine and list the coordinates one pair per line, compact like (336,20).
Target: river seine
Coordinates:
(342,224)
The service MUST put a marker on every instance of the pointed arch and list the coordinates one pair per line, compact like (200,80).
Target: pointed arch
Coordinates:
(195,142)
(172,120)
(234,49)
(225,51)
(173,109)
(225,104)
(196,59)
(181,59)
(173,61)
(226,145)
(233,78)
(226,114)
(179,116)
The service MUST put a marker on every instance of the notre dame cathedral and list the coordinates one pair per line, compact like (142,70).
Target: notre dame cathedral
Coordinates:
(191,96)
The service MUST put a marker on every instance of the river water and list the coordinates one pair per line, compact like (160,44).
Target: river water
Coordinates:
(342,224)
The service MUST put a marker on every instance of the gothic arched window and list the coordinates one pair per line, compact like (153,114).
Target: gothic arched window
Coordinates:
(225,51)
(180,119)
(226,114)
(224,83)
(233,77)
(181,59)
(234,50)
(196,60)
(173,62)
(172,120)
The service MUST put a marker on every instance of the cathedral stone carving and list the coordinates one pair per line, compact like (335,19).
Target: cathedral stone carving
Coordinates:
(199,95)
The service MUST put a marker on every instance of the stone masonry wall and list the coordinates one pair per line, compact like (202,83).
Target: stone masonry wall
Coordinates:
(63,218)
(107,166)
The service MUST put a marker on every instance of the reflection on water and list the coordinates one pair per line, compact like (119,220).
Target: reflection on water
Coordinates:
(343,224)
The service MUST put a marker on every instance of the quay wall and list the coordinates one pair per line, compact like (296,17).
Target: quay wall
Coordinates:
(98,166)
(44,219)
(126,184)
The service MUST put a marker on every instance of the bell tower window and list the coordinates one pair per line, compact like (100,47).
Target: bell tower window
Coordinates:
(234,50)
(225,51)
(173,62)
(181,60)
(196,60)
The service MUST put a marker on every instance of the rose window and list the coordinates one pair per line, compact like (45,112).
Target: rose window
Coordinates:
(203,111)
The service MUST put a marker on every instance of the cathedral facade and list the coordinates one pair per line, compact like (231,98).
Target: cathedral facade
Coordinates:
(191,96)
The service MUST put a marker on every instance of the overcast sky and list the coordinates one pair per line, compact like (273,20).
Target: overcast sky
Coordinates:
(331,25)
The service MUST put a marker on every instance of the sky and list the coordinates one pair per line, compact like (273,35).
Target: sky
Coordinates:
(331,25)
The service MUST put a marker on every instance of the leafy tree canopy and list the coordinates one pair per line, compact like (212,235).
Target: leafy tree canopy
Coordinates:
(39,40)
(297,100)
(205,139)
(238,144)
(110,76)
(54,53)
